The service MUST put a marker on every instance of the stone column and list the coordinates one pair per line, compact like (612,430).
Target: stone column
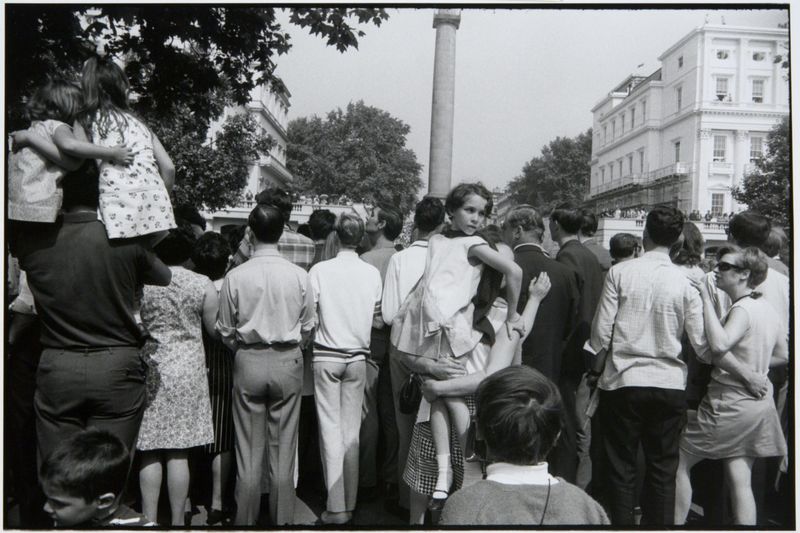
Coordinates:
(702,200)
(440,166)
(741,157)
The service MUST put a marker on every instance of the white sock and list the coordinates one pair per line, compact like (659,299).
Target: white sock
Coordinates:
(445,473)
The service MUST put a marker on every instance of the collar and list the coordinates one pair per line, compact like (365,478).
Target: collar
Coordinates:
(80,216)
(347,253)
(509,474)
(266,252)
(570,243)
(423,244)
(537,246)
(658,256)
(383,246)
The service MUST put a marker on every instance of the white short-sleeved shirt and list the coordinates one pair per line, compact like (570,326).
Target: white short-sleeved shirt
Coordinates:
(348,292)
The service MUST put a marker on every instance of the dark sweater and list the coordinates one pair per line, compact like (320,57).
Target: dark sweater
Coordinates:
(490,503)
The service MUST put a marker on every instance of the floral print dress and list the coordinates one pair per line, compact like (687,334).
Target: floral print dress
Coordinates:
(133,199)
(178,413)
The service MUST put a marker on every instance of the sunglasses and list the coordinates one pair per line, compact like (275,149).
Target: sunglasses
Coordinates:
(722,266)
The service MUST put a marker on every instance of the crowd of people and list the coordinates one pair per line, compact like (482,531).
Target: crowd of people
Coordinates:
(470,374)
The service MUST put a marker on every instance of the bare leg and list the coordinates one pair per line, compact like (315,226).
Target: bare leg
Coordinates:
(220,470)
(417,504)
(150,483)
(740,470)
(683,486)
(177,484)
(440,430)
(459,418)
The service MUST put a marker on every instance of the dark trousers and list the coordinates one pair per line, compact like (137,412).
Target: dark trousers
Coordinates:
(97,387)
(563,458)
(378,435)
(21,366)
(653,417)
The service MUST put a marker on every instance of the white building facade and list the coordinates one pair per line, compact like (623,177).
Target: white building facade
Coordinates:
(687,134)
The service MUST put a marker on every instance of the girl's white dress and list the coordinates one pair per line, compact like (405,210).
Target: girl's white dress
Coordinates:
(34,183)
(436,318)
(133,200)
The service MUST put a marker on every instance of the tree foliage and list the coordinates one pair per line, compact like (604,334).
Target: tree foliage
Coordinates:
(185,62)
(767,189)
(559,174)
(359,152)
(212,174)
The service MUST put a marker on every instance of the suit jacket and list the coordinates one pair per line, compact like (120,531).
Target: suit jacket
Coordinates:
(557,313)
(603,256)
(589,276)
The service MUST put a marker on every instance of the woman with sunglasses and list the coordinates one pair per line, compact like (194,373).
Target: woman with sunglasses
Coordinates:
(736,420)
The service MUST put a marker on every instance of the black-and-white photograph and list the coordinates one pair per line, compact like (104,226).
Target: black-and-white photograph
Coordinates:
(386,266)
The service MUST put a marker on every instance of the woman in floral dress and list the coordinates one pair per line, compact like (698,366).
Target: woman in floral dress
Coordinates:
(178,414)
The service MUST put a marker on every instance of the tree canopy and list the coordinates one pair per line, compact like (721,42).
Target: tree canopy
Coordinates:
(767,188)
(177,56)
(185,63)
(360,152)
(559,174)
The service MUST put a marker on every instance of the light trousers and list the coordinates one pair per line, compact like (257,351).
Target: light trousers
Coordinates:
(339,393)
(267,386)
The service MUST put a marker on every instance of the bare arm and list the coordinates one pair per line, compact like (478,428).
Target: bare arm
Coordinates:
(226,317)
(159,274)
(73,141)
(210,308)
(501,357)
(165,165)
(721,338)
(538,289)
(45,148)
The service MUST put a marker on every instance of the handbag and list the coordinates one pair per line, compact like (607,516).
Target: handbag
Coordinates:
(410,395)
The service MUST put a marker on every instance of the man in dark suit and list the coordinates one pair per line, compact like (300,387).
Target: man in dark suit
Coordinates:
(565,224)
(523,230)
(587,238)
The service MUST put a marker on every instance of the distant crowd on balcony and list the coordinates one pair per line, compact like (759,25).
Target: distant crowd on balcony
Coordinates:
(317,199)
(639,213)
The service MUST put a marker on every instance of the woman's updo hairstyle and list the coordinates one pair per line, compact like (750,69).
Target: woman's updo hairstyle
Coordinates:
(755,261)
(349,229)
(519,415)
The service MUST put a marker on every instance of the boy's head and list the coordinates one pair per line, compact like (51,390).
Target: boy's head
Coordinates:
(589,224)
(623,246)
(565,220)
(83,478)
(429,214)
(266,223)
(321,223)
(664,225)
(749,228)
(519,415)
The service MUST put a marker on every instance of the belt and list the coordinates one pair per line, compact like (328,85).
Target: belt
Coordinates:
(272,345)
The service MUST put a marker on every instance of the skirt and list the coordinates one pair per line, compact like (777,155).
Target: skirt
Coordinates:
(421,470)
(219,362)
(731,423)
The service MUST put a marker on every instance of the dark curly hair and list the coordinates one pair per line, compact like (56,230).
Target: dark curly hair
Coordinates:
(210,255)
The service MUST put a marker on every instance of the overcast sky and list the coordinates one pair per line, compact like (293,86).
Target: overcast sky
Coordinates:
(523,76)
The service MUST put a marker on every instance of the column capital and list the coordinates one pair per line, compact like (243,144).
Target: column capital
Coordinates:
(447,16)
(742,135)
(703,134)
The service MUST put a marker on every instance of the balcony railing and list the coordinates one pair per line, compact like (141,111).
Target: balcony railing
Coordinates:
(720,167)
(675,169)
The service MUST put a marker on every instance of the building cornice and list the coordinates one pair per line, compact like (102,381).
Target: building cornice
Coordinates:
(767,32)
